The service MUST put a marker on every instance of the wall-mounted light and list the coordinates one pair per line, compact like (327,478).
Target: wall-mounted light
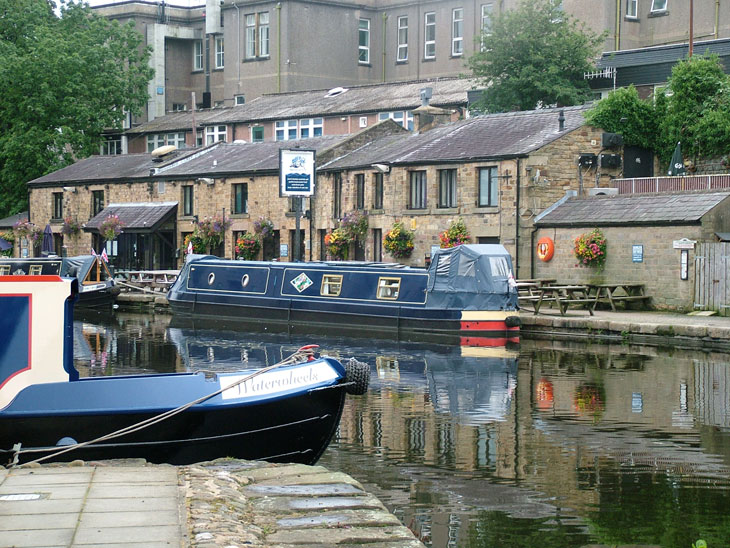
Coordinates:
(382,168)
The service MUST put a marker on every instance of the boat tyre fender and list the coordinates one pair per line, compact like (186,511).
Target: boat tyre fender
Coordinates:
(512,321)
(357,377)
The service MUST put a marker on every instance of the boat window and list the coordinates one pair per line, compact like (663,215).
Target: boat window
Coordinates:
(388,288)
(442,268)
(466,266)
(4,270)
(36,270)
(245,280)
(499,266)
(331,285)
(211,278)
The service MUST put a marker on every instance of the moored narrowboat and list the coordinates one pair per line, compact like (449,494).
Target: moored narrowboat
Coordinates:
(96,283)
(467,291)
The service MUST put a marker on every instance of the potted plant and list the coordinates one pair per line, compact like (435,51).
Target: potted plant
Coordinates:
(111,227)
(338,244)
(456,234)
(248,246)
(398,241)
(355,224)
(70,227)
(211,231)
(264,227)
(26,229)
(590,249)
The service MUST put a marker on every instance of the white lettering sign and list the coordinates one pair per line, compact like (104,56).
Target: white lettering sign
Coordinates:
(278,380)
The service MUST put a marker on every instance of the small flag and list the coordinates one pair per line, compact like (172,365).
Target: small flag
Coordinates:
(511,281)
(104,256)
(190,247)
(93,252)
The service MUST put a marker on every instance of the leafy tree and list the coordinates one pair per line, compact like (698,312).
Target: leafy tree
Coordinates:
(624,112)
(65,79)
(533,56)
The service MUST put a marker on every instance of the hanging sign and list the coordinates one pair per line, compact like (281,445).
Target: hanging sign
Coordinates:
(296,172)
(545,249)
(684,243)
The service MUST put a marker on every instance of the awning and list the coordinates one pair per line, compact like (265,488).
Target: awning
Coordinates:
(723,236)
(136,217)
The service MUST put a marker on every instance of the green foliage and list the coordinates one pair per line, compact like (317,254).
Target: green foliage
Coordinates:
(590,249)
(248,246)
(625,113)
(65,79)
(398,241)
(534,56)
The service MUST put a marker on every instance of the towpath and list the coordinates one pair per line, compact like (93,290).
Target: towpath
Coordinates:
(227,503)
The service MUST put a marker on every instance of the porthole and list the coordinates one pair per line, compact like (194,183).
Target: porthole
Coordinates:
(211,278)
(244,280)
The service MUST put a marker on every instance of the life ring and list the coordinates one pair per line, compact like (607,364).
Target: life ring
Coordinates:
(545,249)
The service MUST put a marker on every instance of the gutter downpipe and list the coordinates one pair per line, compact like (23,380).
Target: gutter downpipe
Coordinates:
(238,46)
(717,19)
(385,18)
(617,33)
(517,223)
(278,47)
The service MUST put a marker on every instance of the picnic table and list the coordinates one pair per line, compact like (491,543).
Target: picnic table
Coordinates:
(151,279)
(563,296)
(620,292)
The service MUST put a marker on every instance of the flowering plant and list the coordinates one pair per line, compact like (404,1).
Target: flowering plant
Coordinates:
(355,225)
(456,234)
(198,245)
(590,249)
(26,229)
(248,246)
(111,227)
(70,227)
(212,230)
(398,241)
(338,243)
(264,227)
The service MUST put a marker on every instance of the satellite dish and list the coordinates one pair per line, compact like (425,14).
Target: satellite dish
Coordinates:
(159,152)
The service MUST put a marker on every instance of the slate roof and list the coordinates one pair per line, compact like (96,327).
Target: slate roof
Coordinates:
(488,137)
(136,217)
(447,93)
(8,222)
(662,54)
(636,209)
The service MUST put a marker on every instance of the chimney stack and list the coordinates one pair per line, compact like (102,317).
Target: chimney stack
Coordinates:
(561,120)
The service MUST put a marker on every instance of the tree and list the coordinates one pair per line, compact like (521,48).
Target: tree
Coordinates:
(624,112)
(534,56)
(65,79)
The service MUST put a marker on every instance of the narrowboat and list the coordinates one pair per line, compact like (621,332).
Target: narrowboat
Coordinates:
(467,291)
(286,412)
(96,283)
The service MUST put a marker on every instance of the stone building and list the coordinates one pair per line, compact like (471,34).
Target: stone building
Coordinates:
(495,172)
(647,236)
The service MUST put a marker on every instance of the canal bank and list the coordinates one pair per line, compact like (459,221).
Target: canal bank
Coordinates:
(221,503)
(654,328)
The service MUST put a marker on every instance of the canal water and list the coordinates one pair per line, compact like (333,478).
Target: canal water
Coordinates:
(547,443)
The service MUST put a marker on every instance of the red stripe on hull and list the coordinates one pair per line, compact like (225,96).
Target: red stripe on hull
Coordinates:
(488,325)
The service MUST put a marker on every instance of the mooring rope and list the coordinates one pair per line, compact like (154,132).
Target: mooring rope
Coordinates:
(304,353)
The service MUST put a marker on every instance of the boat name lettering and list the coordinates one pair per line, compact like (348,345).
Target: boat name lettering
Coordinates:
(277,381)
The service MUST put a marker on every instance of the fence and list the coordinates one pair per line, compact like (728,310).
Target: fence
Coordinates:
(671,184)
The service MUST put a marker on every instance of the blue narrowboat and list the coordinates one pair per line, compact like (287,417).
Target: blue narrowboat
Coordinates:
(287,412)
(468,291)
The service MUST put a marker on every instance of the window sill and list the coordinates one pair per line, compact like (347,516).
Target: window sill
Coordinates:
(424,211)
(631,19)
(658,13)
(240,216)
(487,209)
(379,211)
(446,211)
(403,62)
(196,71)
(255,59)
(428,60)
(361,64)
(456,56)
(219,69)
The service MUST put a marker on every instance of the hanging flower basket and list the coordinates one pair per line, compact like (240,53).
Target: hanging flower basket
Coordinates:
(456,234)
(212,230)
(398,241)
(355,225)
(26,229)
(338,244)
(590,249)
(264,227)
(70,227)
(248,246)
(198,246)
(111,227)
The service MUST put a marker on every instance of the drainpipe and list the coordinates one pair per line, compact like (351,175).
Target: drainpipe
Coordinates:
(717,19)
(691,27)
(517,223)
(238,46)
(385,18)
(278,47)
(617,33)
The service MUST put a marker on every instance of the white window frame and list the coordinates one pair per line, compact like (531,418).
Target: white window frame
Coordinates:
(198,55)
(363,41)
(486,20)
(311,126)
(429,35)
(250,46)
(457,32)
(402,54)
(156,140)
(285,130)
(263,34)
(632,9)
(659,6)
(239,100)
(219,52)
(405,119)
(111,146)
(213,134)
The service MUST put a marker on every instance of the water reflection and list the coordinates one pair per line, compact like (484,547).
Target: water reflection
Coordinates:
(557,445)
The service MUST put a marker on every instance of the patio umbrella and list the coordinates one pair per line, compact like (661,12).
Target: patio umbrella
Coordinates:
(47,246)
(5,245)
(676,166)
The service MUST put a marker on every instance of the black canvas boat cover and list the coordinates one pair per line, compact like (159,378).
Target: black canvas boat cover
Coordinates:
(472,277)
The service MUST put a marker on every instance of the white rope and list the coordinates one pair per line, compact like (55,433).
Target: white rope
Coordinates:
(304,353)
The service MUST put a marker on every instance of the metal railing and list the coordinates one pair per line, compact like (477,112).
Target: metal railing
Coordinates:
(642,185)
